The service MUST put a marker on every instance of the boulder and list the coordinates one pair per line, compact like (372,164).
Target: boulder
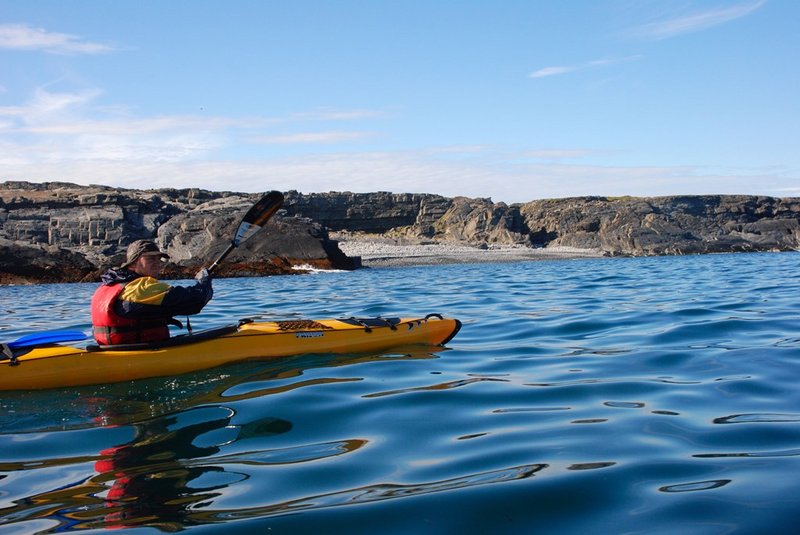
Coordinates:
(197,238)
(37,264)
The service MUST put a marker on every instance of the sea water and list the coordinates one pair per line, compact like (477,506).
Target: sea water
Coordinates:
(639,395)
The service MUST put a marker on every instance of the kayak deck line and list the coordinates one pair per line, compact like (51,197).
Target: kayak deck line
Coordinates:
(55,365)
(183,339)
(284,326)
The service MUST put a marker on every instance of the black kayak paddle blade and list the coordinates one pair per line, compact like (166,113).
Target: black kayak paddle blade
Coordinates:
(255,218)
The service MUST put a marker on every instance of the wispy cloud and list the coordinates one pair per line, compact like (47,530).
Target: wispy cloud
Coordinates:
(558,154)
(458,149)
(697,21)
(312,137)
(66,136)
(25,37)
(46,103)
(599,63)
(552,71)
(76,112)
(73,126)
(328,114)
(401,171)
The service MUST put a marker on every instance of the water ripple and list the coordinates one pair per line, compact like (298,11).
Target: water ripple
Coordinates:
(758,418)
(294,454)
(385,491)
(440,386)
(696,486)
(784,453)
(654,395)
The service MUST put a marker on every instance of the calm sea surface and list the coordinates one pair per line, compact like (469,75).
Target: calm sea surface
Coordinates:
(653,395)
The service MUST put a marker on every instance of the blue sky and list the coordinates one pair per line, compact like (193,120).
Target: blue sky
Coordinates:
(513,100)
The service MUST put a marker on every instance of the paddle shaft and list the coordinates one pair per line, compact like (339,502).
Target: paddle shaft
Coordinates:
(221,257)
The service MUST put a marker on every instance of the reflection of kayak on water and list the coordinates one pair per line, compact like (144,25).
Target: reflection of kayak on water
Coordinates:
(48,364)
(121,404)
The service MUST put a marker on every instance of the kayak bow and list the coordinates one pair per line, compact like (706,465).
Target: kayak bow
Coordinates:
(53,365)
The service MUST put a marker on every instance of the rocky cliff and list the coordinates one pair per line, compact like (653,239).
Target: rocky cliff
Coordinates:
(64,232)
(56,232)
(666,225)
(614,226)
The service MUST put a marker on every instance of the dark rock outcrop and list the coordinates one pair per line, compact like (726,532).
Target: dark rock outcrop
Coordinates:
(77,231)
(367,212)
(666,225)
(197,238)
(64,232)
(613,226)
(412,216)
(33,264)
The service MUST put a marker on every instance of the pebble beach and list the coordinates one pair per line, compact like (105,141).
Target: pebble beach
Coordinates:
(388,252)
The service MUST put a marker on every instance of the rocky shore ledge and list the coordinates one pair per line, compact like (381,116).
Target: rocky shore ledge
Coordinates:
(63,232)
(378,251)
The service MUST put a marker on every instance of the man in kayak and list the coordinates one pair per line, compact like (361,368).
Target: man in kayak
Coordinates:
(132,305)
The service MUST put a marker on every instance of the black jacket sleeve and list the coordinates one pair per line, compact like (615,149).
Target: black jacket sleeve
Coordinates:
(174,301)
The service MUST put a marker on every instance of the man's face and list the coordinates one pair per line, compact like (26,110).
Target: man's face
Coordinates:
(148,265)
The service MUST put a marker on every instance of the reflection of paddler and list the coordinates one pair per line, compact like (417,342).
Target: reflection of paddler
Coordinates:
(149,477)
(152,474)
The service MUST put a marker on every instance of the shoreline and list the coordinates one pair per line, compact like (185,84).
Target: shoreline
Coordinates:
(386,252)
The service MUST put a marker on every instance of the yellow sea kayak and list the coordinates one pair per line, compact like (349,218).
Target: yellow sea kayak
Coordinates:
(52,365)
